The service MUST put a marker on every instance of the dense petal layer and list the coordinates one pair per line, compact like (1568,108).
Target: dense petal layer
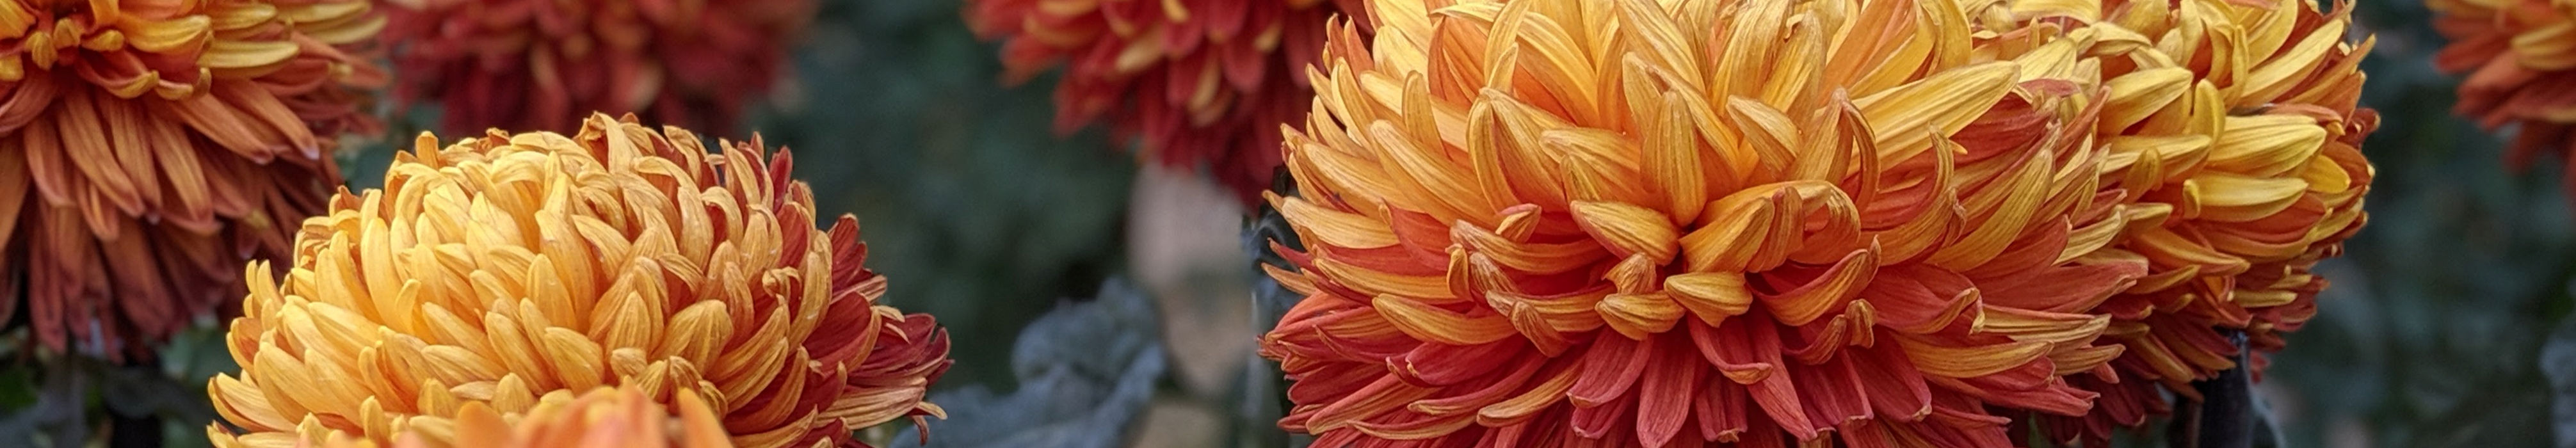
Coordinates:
(501,270)
(1560,223)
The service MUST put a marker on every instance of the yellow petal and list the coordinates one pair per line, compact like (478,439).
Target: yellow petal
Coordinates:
(1428,323)
(1639,316)
(1628,229)
(1713,296)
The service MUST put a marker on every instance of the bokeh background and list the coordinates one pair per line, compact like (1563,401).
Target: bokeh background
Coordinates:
(1094,303)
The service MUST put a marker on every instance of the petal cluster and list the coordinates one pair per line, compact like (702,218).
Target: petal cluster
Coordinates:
(1195,82)
(540,64)
(148,148)
(501,269)
(602,418)
(2518,67)
(1677,223)
(2234,138)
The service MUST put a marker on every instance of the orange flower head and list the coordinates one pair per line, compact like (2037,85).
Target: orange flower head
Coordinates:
(1676,223)
(1194,82)
(535,64)
(151,147)
(502,269)
(2234,138)
(602,418)
(2518,70)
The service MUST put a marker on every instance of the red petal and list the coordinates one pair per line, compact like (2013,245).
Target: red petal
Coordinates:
(1668,386)
(1611,365)
(1896,390)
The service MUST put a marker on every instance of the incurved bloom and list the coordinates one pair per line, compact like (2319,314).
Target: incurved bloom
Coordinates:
(2520,69)
(602,418)
(1570,222)
(502,268)
(148,148)
(538,64)
(1194,82)
(2234,137)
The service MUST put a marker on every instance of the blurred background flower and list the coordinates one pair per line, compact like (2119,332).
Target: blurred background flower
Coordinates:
(1197,84)
(152,147)
(614,256)
(2517,66)
(542,64)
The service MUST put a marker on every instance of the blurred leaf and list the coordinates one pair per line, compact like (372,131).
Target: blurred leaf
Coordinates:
(1262,397)
(2558,360)
(17,388)
(1086,372)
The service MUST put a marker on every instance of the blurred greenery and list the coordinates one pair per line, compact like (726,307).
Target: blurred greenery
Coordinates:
(2430,335)
(1086,371)
(977,212)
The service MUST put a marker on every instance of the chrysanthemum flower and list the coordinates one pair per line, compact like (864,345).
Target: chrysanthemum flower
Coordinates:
(501,268)
(1573,222)
(2235,146)
(2520,69)
(539,64)
(1194,82)
(602,418)
(151,146)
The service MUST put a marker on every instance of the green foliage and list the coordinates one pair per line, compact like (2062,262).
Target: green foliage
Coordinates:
(1085,370)
(68,401)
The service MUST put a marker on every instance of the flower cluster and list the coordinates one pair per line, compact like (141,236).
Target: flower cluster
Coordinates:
(152,147)
(1538,222)
(539,64)
(1195,82)
(498,270)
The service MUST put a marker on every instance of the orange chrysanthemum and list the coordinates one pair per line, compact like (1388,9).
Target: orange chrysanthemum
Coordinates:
(152,146)
(504,267)
(1632,223)
(1195,82)
(605,417)
(2520,67)
(538,64)
(2234,137)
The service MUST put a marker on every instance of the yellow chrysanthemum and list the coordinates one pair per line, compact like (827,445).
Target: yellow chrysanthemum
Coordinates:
(2234,136)
(1668,223)
(502,268)
(622,417)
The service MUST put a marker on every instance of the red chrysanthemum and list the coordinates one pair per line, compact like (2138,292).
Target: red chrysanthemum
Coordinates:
(1634,223)
(541,64)
(1196,83)
(148,148)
